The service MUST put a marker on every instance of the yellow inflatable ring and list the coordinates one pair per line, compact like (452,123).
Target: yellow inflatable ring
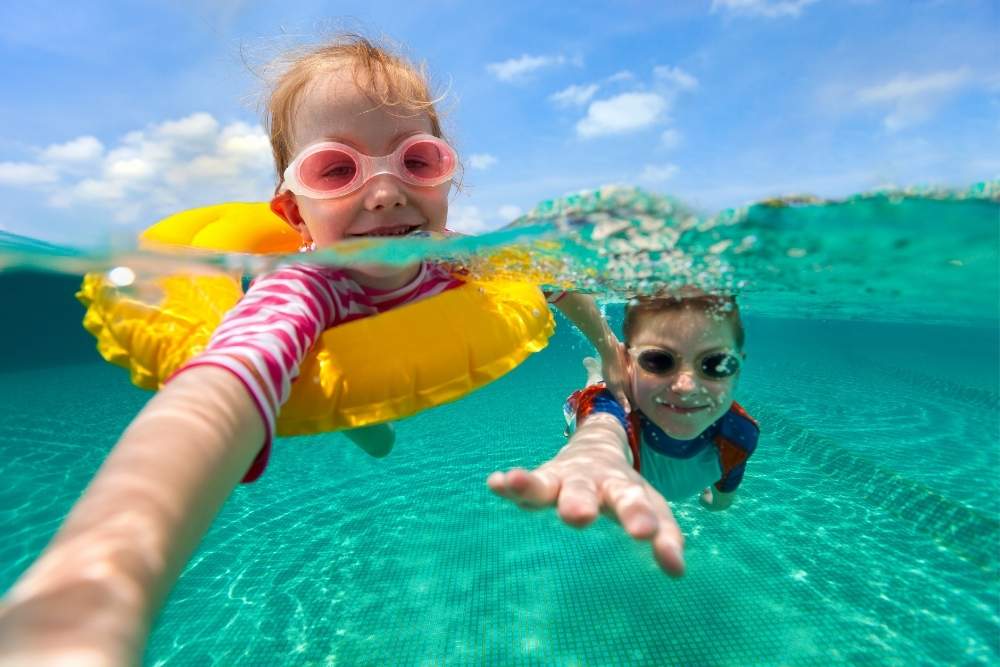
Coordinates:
(367,371)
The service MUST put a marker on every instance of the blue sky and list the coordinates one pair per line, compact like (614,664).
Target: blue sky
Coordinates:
(117,113)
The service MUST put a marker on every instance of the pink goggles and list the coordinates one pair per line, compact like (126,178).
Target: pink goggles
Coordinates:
(329,169)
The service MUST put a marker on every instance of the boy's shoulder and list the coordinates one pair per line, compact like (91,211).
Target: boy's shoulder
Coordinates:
(739,428)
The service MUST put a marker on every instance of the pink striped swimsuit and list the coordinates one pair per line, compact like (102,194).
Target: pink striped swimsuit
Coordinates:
(281,317)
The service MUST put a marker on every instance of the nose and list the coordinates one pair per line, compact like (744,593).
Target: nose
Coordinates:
(683,382)
(383,192)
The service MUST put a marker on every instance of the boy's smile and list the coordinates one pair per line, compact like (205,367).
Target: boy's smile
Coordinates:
(679,409)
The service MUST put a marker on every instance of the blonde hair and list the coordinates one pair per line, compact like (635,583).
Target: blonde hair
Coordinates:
(386,78)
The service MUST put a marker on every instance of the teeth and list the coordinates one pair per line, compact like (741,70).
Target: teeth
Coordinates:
(660,401)
(395,231)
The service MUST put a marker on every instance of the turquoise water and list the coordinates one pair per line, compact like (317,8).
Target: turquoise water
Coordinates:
(867,530)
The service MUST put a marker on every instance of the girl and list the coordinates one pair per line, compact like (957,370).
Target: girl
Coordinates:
(359,152)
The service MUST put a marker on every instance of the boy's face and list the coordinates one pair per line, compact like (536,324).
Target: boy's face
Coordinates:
(682,402)
(334,109)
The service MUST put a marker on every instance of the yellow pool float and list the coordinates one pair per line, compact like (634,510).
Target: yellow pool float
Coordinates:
(367,371)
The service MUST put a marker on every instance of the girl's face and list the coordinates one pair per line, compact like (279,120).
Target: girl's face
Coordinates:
(683,401)
(334,109)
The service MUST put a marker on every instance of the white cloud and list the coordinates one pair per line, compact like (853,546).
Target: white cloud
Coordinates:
(574,95)
(623,75)
(620,114)
(19,174)
(516,68)
(91,190)
(646,105)
(245,143)
(152,172)
(509,212)
(129,169)
(675,77)
(658,173)
(670,138)
(905,86)
(481,160)
(913,99)
(197,128)
(766,8)
(81,149)
(468,219)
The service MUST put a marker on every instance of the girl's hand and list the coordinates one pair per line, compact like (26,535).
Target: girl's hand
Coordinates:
(581,484)
(84,623)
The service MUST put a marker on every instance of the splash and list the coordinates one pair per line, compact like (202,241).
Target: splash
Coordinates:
(926,254)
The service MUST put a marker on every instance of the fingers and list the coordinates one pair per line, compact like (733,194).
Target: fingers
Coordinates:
(645,515)
(628,502)
(578,504)
(530,490)
(669,554)
(575,497)
(668,545)
(641,511)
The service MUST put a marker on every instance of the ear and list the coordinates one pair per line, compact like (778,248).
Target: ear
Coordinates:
(285,207)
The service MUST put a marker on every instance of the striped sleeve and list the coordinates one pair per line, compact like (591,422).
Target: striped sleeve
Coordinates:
(431,279)
(554,297)
(265,337)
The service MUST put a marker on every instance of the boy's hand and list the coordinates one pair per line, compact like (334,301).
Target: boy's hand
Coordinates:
(715,500)
(581,484)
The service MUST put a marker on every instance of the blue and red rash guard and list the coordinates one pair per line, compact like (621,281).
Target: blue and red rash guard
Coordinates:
(677,468)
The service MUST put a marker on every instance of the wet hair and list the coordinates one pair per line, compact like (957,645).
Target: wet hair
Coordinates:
(386,78)
(719,307)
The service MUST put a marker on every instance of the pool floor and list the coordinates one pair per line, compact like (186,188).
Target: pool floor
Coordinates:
(866,530)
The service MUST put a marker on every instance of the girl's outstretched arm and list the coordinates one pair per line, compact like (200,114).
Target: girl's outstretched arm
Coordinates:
(92,596)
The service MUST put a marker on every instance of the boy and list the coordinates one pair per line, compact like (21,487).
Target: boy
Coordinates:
(684,432)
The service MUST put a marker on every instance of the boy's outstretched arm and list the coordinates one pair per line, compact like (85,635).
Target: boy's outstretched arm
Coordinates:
(581,310)
(91,597)
(591,474)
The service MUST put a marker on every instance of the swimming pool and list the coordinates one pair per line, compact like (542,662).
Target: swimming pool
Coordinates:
(866,531)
